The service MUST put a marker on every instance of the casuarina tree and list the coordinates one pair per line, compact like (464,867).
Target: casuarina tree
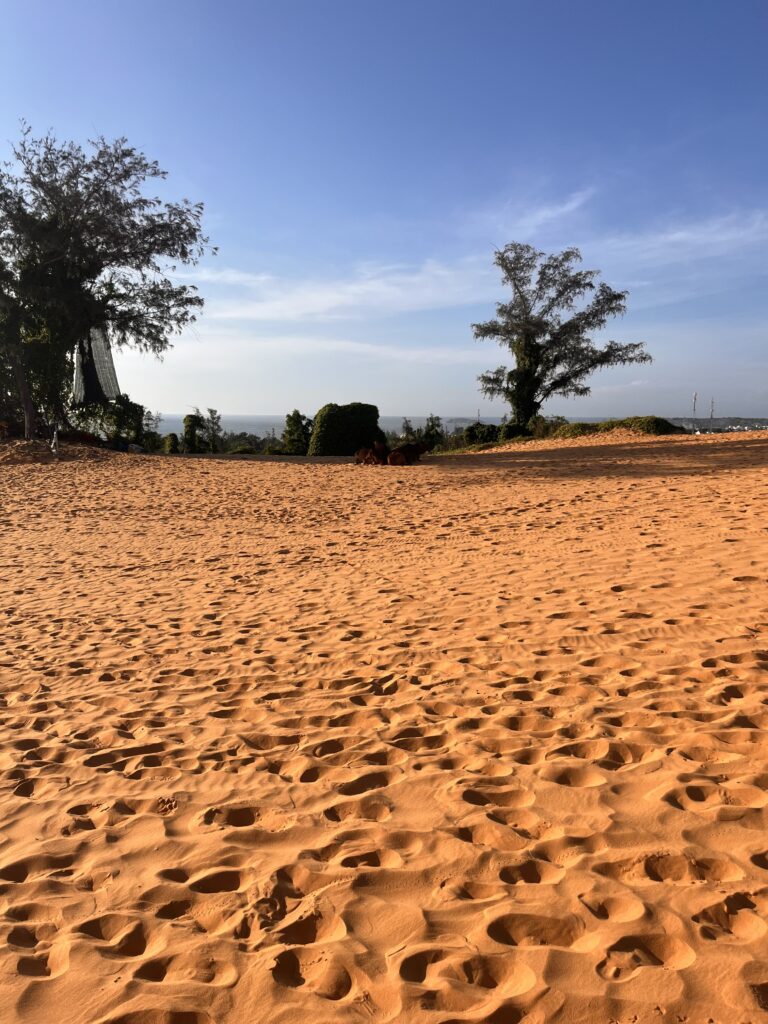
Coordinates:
(82,247)
(548,326)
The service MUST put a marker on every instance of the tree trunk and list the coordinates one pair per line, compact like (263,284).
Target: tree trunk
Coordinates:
(524,403)
(25,395)
(523,399)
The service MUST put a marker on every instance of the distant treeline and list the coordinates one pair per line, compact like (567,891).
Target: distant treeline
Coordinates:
(335,430)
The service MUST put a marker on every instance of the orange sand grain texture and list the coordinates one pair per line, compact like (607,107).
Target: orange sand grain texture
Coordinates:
(479,740)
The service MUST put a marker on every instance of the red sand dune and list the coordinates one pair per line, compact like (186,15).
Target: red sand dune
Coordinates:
(479,740)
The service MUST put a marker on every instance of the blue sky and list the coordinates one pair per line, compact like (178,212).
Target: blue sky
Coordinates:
(360,161)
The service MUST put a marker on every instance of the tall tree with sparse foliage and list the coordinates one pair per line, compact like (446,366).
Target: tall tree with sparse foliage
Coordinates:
(211,437)
(82,246)
(554,352)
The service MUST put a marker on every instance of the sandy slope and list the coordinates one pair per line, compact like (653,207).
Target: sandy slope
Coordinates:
(482,740)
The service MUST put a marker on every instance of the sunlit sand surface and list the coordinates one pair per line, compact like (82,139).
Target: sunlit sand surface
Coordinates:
(480,740)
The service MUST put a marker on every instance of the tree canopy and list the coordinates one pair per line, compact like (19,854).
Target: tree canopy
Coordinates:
(82,246)
(297,433)
(554,353)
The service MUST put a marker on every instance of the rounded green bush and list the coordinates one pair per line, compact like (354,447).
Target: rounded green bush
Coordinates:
(481,433)
(650,425)
(171,444)
(342,429)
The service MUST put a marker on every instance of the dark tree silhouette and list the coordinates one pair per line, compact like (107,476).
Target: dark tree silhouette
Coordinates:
(554,354)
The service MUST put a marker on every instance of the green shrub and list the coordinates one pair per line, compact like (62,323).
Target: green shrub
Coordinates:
(242,449)
(342,429)
(194,424)
(120,421)
(297,433)
(151,441)
(648,425)
(545,426)
(433,432)
(576,430)
(171,444)
(481,433)
(510,432)
(639,424)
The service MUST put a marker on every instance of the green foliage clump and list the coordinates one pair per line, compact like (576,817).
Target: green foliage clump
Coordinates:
(297,433)
(433,433)
(211,434)
(576,430)
(242,449)
(192,439)
(643,425)
(481,433)
(654,425)
(121,422)
(342,429)
(152,441)
(545,426)
(230,441)
(171,444)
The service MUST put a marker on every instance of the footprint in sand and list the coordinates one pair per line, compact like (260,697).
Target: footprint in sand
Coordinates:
(317,926)
(585,777)
(532,872)
(672,868)
(619,909)
(534,930)
(319,970)
(493,834)
(480,891)
(370,808)
(512,797)
(216,881)
(416,966)
(118,934)
(32,867)
(740,917)
(501,974)
(366,783)
(634,952)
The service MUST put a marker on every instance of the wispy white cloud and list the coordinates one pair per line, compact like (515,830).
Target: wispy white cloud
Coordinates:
(240,344)
(496,223)
(676,243)
(664,263)
(368,290)
(526,224)
(223,276)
